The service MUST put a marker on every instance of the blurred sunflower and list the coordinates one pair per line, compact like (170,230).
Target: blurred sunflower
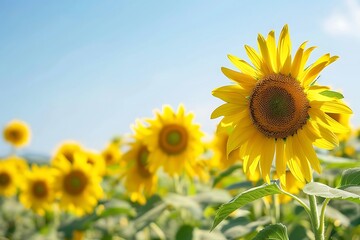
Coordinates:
(343,119)
(37,190)
(112,156)
(67,150)
(77,185)
(173,140)
(96,162)
(139,181)
(220,158)
(19,163)
(17,133)
(276,107)
(9,178)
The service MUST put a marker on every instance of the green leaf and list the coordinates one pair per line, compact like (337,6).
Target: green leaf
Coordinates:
(225,173)
(332,162)
(275,232)
(183,202)
(244,184)
(115,211)
(242,226)
(332,94)
(185,232)
(144,220)
(243,199)
(322,190)
(213,196)
(350,178)
(336,215)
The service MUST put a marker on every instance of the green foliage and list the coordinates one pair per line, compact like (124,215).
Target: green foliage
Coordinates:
(350,177)
(225,173)
(332,162)
(322,190)
(332,94)
(275,232)
(185,232)
(243,199)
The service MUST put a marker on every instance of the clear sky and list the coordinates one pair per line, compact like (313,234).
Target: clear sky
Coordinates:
(85,70)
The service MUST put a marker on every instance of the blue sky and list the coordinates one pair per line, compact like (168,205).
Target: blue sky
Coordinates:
(85,70)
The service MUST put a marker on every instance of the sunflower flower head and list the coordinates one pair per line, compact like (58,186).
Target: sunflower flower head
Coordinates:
(111,154)
(67,150)
(17,133)
(10,178)
(173,140)
(96,161)
(343,119)
(77,186)
(37,190)
(140,183)
(20,163)
(277,110)
(112,157)
(220,158)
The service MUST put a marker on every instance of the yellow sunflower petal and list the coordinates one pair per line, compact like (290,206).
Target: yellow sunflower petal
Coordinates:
(266,159)
(265,52)
(284,48)
(241,78)
(243,66)
(229,94)
(309,151)
(238,137)
(331,107)
(226,110)
(296,65)
(281,161)
(271,45)
(254,56)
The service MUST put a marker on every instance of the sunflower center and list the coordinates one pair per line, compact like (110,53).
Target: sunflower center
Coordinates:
(15,134)
(142,162)
(5,179)
(75,182)
(109,158)
(173,139)
(278,106)
(39,189)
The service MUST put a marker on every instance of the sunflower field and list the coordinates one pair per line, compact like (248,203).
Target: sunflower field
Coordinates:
(283,163)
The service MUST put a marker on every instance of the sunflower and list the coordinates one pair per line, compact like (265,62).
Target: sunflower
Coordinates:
(96,162)
(277,109)
(77,185)
(220,157)
(343,119)
(19,163)
(67,150)
(174,141)
(140,182)
(9,178)
(17,133)
(111,154)
(37,191)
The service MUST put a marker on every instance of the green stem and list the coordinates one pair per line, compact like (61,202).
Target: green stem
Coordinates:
(306,207)
(276,203)
(322,216)
(315,218)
